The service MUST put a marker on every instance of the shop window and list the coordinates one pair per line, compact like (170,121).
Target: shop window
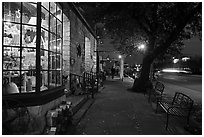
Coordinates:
(28,36)
(45,5)
(28,59)
(59,46)
(12,11)
(44,59)
(52,77)
(52,7)
(11,34)
(45,15)
(53,23)
(28,83)
(19,47)
(59,12)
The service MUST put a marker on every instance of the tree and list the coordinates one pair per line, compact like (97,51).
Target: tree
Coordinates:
(162,26)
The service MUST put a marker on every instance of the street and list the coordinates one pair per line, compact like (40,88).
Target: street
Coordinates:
(190,85)
(188,81)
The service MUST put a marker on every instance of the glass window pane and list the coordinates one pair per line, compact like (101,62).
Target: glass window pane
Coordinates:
(52,76)
(29,13)
(28,36)
(29,81)
(44,59)
(58,61)
(59,12)
(59,29)
(53,46)
(12,11)
(44,80)
(52,24)
(52,61)
(59,46)
(44,39)
(45,18)
(11,82)
(46,5)
(59,78)
(28,58)
(11,58)
(11,34)
(52,7)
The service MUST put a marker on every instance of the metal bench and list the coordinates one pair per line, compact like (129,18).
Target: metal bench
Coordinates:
(157,91)
(180,106)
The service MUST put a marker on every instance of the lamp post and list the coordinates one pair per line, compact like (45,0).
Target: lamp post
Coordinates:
(121,66)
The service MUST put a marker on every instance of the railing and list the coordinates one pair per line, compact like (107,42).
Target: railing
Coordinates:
(85,84)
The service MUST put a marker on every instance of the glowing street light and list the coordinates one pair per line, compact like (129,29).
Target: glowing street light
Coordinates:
(119,56)
(142,47)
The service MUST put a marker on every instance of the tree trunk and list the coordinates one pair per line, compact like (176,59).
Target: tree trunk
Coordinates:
(143,82)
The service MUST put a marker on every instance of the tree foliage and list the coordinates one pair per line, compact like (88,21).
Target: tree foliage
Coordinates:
(163,26)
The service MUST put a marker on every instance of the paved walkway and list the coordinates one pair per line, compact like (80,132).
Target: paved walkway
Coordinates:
(117,111)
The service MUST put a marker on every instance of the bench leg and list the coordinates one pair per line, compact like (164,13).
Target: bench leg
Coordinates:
(167,120)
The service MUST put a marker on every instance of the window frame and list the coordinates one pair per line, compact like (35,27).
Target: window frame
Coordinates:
(38,97)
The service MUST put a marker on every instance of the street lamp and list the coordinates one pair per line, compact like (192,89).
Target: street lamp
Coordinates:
(142,47)
(119,56)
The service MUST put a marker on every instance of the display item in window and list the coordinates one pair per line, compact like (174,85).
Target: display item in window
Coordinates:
(9,87)
(29,36)
(28,85)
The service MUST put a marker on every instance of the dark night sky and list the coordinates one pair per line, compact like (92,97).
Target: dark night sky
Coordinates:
(192,47)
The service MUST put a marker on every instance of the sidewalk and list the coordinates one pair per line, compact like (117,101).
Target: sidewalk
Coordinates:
(116,111)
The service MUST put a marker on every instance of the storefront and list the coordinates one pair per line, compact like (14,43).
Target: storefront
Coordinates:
(32,55)
(42,44)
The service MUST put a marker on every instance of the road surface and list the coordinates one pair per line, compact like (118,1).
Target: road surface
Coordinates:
(188,84)
(188,81)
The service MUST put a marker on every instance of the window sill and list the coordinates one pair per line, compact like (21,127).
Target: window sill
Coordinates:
(32,98)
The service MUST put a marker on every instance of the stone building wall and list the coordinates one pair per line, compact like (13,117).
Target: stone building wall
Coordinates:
(81,58)
(76,45)
(66,49)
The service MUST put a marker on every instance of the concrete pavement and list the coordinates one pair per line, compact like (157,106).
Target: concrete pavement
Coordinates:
(116,111)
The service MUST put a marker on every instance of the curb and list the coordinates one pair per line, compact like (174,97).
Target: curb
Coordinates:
(79,104)
(82,111)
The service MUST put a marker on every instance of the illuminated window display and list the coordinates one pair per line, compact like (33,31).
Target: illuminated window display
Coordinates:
(20,48)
